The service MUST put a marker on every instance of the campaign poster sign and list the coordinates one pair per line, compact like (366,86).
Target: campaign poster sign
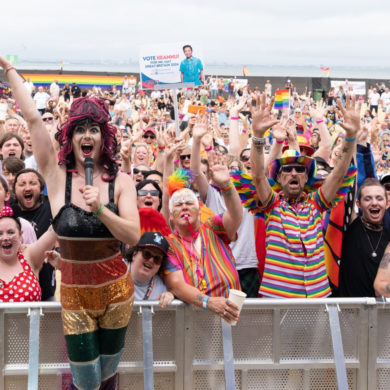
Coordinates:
(358,87)
(161,63)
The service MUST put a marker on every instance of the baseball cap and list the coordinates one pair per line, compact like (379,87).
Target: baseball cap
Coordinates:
(154,239)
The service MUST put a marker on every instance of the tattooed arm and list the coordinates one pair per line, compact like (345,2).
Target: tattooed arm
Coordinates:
(382,280)
(351,125)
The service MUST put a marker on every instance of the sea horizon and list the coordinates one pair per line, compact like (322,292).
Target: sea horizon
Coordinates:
(261,70)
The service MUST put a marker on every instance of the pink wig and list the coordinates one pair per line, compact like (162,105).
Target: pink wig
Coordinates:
(94,110)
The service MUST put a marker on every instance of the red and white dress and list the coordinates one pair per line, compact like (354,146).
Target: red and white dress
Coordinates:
(24,287)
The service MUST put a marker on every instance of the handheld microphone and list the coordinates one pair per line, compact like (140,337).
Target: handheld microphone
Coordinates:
(88,168)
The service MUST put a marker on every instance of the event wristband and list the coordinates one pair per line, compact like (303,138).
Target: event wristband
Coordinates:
(320,121)
(279,141)
(127,173)
(234,118)
(244,131)
(176,162)
(204,303)
(350,139)
(162,147)
(208,149)
(99,211)
(9,68)
(228,187)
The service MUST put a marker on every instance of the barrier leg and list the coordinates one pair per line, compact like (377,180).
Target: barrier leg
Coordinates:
(33,358)
(338,350)
(228,355)
(147,339)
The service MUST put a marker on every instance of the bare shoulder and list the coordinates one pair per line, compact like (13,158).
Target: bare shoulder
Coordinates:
(123,182)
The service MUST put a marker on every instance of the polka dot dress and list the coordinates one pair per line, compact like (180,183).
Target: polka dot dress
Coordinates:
(24,287)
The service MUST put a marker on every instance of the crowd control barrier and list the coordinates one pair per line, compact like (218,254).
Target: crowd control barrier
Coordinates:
(278,344)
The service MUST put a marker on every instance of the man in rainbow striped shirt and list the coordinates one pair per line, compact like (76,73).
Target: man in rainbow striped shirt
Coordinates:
(294,264)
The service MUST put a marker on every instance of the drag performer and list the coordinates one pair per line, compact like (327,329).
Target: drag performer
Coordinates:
(91,220)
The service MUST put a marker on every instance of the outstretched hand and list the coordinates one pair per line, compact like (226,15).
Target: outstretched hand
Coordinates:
(351,114)
(200,126)
(261,116)
(219,172)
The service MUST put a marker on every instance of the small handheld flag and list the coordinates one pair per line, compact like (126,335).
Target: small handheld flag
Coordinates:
(282,99)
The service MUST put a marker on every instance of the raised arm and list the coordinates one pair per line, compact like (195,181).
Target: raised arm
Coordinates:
(351,125)
(234,134)
(261,122)
(233,215)
(200,180)
(43,149)
(382,280)
(318,115)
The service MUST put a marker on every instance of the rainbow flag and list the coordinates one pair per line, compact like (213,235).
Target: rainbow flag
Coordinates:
(325,70)
(282,99)
(245,71)
(83,81)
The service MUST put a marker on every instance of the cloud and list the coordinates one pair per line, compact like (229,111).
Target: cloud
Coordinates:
(251,32)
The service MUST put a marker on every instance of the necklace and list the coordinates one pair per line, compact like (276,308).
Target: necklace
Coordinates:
(373,253)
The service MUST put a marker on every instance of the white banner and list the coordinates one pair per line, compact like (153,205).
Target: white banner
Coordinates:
(358,87)
(165,63)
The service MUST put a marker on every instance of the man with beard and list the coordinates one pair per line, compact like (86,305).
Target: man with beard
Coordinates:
(32,205)
(294,263)
(364,242)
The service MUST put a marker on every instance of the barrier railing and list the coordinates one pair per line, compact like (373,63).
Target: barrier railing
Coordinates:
(277,344)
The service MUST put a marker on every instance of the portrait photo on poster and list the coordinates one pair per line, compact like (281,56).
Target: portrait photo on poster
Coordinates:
(171,63)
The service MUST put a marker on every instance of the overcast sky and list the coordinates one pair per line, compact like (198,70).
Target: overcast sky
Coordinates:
(300,32)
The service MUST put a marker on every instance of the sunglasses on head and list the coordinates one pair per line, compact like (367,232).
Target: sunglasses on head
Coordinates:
(146,254)
(184,156)
(151,136)
(146,192)
(387,186)
(244,158)
(136,171)
(289,168)
(47,119)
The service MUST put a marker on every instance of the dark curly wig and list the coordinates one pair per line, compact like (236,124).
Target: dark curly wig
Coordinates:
(94,110)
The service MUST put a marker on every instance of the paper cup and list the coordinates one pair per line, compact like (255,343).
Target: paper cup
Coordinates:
(237,297)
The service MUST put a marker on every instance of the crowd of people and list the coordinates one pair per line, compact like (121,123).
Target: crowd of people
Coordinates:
(289,203)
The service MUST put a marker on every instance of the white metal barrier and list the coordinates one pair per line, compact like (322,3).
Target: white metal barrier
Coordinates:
(277,344)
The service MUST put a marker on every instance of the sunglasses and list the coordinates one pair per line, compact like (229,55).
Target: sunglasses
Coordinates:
(184,156)
(244,158)
(146,192)
(387,186)
(149,136)
(289,168)
(47,119)
(147,255)
(222,151)
(136,171)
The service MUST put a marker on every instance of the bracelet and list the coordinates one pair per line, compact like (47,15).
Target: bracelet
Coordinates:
(176,162)
(162,147)
(204,303)
(234,118)
(208,149)
(227,188)
(350,139)
(99,211)
(9,68)
(258,141)
(127,173)
(320,121)
(243,131)
(279,142)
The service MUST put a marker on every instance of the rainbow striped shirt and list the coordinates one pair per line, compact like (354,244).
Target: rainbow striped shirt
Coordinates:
(295,263)
(214,271)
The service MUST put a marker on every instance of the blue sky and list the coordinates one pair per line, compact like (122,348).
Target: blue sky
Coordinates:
(349,33)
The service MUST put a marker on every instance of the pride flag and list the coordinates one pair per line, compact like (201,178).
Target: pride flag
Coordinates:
(245,71)
(282,99)
(82,80)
